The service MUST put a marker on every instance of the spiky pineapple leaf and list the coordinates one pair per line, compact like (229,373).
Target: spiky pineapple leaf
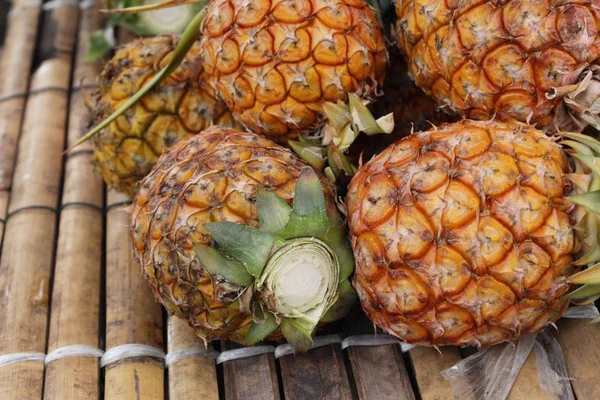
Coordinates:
(310,153)
(259,331)
(584,292)
(589,141)
(273,211)
(591,162)
(590,275)
(186,41)
(579,147)
(590,200)
(365,121)
(309,214)
(217,264)
(250,246)
(347,297)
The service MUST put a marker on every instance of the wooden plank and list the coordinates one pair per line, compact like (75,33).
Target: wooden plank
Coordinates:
(580,342)
(379,371)
(132,314)
(193,377)
(317,374)
(253,378)
(428,364)
(527,385)
(75,307)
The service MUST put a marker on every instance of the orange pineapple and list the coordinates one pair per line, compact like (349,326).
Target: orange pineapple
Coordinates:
(531,61)
(464,234)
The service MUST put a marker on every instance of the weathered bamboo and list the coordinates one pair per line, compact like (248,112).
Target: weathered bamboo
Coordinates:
(379,371)
(132,314)
(77,276)
(580,342)
(428,364)
(15,67)
(193,377)
(253,378)
(28,253)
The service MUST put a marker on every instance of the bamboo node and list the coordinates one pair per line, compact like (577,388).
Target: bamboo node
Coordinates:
(177,355)
(245,352)
(51,5)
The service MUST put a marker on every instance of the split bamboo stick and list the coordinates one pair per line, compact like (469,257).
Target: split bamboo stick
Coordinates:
(194,377)
(132,314)
(15,67)
(28,252)
(428,364)
(77,277)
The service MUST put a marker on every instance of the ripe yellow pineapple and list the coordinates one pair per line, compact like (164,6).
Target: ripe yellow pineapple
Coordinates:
(464,234)
(275,62)
(181,106)
(242,239)
(526,60)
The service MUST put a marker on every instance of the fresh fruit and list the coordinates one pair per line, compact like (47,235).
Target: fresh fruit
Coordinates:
(464,235)
(221,247)
(275,62)
(180,107)
(532,61)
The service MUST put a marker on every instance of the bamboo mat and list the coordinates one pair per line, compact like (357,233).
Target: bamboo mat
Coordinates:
(70,288)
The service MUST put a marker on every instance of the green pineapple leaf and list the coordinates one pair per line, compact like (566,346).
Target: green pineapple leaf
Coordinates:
(590,200)
(584,139)
(347,297)
(259,331)
(590,275)
(217,264)
(583,292)
(273,211)
(250,246)
(297,333)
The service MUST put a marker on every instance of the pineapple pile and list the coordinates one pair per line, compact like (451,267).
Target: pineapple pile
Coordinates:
(531,61)
(282,261)
(180,107)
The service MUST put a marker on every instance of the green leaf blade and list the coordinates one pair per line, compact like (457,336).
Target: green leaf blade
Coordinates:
(259,331)
(217,264)
(273,211)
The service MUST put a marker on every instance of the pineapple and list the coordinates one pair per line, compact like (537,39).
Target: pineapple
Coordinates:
(532,61)
(179,108)
(242,239)
(463,235)
(275,62)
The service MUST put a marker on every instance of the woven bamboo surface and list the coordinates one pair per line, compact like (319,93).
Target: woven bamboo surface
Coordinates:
(68,278)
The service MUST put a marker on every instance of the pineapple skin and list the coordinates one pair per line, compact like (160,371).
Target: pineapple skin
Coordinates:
(462,234)
(499,58)
(180,107)
(211,177)
(275,62)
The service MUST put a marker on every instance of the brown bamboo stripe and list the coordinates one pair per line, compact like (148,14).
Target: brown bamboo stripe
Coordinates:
(75,153)
(12,96)
(132,314)
(117,204)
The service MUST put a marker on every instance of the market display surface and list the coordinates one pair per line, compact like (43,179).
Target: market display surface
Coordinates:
(257,227)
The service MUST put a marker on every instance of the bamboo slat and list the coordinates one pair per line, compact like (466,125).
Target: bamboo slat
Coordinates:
(15,67)
(132,314)
(75,315)
(317,374)
(580,342)
(27,254)
(379,371)
(253,378)
(193,377)
(428,364)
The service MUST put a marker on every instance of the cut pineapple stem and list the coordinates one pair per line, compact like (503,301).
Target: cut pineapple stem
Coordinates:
(187,40)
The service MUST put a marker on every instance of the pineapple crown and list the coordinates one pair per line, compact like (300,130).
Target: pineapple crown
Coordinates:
(297,263)
(586,182)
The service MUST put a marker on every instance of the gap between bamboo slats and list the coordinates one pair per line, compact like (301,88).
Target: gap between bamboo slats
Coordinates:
(28,252)
(379,372)
(75,311)
(15,67)
(132,314)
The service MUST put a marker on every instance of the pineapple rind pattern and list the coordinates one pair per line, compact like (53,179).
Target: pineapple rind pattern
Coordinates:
(211,177)
(486,58)
(178,108)
(462,234)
